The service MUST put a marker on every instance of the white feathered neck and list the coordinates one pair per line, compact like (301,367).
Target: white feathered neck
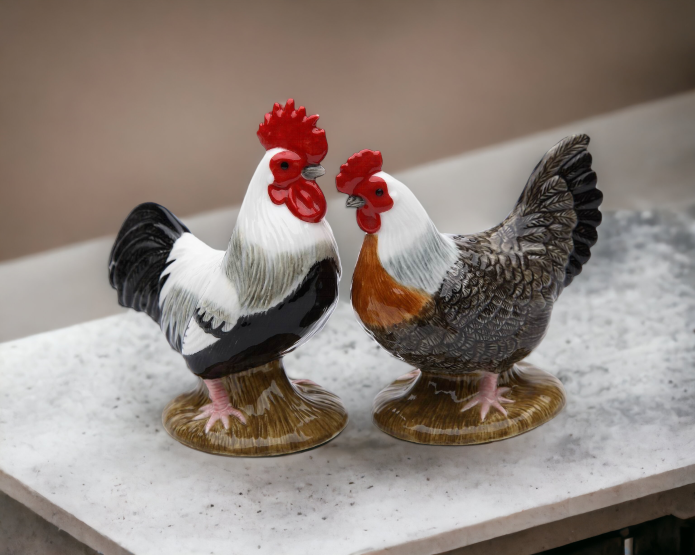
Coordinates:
(271,250)
(410,247)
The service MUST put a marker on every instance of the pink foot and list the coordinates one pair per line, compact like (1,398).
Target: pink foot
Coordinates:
(220,408)
(489,395)
(222,414)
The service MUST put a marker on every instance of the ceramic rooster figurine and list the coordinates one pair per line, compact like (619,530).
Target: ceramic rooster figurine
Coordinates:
(466,309)
(233,314)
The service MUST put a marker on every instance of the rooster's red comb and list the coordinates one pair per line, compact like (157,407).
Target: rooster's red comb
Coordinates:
(358,167)
(293,130)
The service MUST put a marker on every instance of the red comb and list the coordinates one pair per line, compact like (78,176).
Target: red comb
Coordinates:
(358,167)
(292,130)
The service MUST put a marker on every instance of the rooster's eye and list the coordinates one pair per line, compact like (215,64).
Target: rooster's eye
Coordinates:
(379,192)
(284,165)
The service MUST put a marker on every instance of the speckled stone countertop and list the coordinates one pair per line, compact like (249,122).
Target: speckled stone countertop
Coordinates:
(81,440)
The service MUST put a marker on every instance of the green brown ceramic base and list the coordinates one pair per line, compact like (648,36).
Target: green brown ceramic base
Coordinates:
(426,408)
(282,417)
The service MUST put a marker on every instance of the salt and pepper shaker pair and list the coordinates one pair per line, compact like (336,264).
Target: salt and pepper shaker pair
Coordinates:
(464,310)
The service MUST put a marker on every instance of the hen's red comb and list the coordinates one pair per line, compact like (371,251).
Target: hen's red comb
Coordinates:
(358,167)
(293,130)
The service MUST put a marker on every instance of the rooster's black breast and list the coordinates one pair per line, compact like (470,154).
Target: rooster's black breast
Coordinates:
(264,337)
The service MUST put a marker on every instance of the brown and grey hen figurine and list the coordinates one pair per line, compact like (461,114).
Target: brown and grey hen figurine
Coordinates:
(466,309)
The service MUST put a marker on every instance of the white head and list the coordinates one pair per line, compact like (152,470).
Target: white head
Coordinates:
(281,231)
(283,196)
(410,247)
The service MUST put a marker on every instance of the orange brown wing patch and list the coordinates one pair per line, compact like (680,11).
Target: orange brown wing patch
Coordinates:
(378,299)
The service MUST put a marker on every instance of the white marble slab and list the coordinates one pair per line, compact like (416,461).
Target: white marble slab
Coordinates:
(81,442)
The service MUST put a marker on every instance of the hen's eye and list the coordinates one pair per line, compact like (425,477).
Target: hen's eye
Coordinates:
(284,165)
(379,192)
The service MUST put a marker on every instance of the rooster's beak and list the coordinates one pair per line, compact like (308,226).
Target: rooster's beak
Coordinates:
(353,201)
(313,172)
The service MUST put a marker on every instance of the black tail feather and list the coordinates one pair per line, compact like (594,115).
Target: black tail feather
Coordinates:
(581,181)
(139,256)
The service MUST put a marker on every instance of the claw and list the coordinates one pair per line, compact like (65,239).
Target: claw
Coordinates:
(220,408)
(222,414)
(489,396)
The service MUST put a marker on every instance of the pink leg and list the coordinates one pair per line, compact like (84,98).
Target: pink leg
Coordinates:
(220,408)
(489,395)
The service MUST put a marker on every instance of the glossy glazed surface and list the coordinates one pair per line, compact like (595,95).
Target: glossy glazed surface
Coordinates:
(303,197)
(428,408)
(260,338)
(274,286)
(475,322)
(356,178)
(458,307)
(304,145)
(282,416)
(285,127)
(242,309)
(490,301)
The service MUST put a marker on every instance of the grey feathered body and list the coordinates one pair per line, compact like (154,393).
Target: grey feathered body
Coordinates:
(494,304)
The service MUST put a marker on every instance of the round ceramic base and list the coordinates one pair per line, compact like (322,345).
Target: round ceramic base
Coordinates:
(426,408)
(282,416)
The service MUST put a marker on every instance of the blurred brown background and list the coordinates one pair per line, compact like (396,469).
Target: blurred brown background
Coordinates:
(107,104)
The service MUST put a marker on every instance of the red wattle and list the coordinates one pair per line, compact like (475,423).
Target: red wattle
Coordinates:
(278,194)
(357,178)
(368,220)
(306,201)
(303,198)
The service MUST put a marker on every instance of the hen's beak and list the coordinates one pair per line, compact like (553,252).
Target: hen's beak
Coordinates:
(313,172)
(353,201)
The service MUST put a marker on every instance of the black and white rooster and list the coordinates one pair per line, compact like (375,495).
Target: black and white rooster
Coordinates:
(271,290)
